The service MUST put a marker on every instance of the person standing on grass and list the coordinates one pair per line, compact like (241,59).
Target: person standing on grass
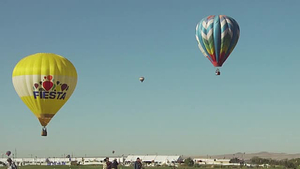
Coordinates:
(108,163)
(104,164)
(11,164)
(138,164)
(115,164)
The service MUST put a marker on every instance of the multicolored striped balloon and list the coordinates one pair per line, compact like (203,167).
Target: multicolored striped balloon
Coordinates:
(217,35)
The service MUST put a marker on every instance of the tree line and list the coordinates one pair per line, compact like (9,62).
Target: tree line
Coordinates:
(289,163)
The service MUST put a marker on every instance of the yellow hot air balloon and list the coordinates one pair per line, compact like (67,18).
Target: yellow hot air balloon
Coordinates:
(44,82)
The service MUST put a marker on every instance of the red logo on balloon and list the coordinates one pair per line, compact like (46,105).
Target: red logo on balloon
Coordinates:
(48,84)
(47,88)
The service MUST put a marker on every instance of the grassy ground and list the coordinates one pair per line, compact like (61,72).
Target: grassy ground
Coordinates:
(88,167)
(121,167)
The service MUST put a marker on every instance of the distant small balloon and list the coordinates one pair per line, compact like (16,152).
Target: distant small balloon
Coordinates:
(142,79)
(8,153)
(113,152)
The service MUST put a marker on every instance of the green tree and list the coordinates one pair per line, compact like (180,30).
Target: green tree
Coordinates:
(256,160)
(189,161)
(234,160)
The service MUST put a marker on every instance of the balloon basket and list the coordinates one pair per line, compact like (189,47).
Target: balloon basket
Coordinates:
(218,72)
(44,132)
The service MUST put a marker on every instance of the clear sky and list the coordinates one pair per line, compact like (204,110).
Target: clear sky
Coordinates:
(182,107)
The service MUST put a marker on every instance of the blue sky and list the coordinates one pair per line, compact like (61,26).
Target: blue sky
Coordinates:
(182,107)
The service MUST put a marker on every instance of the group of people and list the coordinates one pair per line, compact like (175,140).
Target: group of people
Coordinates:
(114,165)
(110,165)
(11,164)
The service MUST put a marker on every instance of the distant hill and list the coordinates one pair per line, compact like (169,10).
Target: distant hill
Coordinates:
(277,156)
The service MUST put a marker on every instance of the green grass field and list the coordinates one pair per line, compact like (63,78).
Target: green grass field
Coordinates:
(65,167)
(85,167)
(89,167)
(122,167)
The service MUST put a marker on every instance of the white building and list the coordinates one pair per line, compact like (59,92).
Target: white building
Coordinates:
(154,159)
(61,161)
(209,161)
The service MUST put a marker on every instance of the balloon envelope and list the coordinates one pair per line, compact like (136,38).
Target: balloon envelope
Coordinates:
(217,35)
(142,79)
(8,153)
(44,82)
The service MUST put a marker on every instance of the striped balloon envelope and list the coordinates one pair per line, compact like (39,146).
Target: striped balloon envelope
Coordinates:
(44,82)
(217,36)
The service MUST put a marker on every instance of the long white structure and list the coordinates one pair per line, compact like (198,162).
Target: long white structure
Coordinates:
(154,159)
(61,161)
(209,161)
